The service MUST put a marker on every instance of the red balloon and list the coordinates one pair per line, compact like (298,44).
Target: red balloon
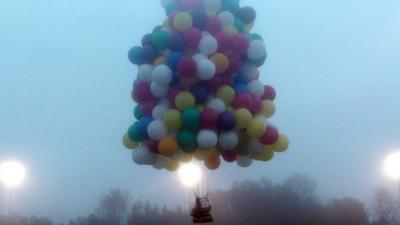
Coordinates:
(270,136)
(147,107)
(213,24)
(142,93)
(256,105)
(209,118)
(187,67)
(192,37)
(222,40)
(242,100)
(269,93)
(239,43)
(153,145)
(234,64)
(229,156)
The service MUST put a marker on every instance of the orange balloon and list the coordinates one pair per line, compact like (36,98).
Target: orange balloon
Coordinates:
(221,62)
(159,61)
(212,162)
(168,146)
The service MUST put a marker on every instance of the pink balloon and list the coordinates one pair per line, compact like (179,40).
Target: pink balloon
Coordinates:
(229,156)
(222,40)
(242,100)
(269,93)
(270,136)
(148,106)
(256,105)
(209,118)
(192,37)
(142,93)
(190,4)
(187,67)
(239,43)
(234,64)
(213,24)
(153,145)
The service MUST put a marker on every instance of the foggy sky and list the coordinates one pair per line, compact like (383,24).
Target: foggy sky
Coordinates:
(65,84)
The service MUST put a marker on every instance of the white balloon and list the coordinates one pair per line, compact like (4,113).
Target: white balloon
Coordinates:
(205,69)
(212,5)
(216,104)
(227,18)
(256,88)
(159,111)
(162,74)
(143,156)
(228,140)
(157,130)
(207,139)
(244,161)
(208,45)
(145,72)
(255,147)
(199,56)
(158,90)
(257,50)
(249,70)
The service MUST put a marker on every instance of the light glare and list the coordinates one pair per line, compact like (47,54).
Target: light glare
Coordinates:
(190,175)
(392,166)
(12,173)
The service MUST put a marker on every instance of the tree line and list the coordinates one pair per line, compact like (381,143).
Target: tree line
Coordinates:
(292,202)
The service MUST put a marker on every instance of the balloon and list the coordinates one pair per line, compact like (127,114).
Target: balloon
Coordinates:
(143,156)
(243,118)
(255,147)
(226,121)
(186,157)
(187,140)
(257,50)
(142,93)
(231,31)
(268,108)
(226,18)
(145,72)
(239,43)
(159,163)
(192,37)
(153,146)
(212,5)
(191,118)
(208,45)
(226,94)
(206,69)
(138,112)
(173,120)
(184,100)
(256,88)
(207,139)
(231,5)
(199,56)
(213,24)
(157,130)
(160,40)
(176,42)
(256,127)
(190,4)
(147,107)
(168,146)
(229,156)
(128,143)
(182,21)
(221,62)
(149,54)
(158,90)
(173,60)
(240,26)
(265,156)
(159,111)
(162,74)
(242,100)
(209,118)
(228,140)
(147,39)
(269,93)
(247,15)
(282,144)
(200,154)
(244,161)
(212,162)
(216,104)
(199,18)
(135,55)
(270,136)
(172,165)
(200,93)
(187,68)
(223,40)
(135,133)
(249,70)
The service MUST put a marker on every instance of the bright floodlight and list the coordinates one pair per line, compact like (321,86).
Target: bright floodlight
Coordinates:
(190,175)
(392,166)
(12,173)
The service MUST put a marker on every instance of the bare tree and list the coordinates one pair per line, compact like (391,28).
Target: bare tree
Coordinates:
(114,207)
(385,208)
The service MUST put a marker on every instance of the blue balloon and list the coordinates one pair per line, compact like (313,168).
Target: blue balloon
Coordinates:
(135,55)
(231,5)
(199,18)
(200,93)
(173,60)
(241,79)
(176,80)
(143,123)
(147,39)
(149,54)
(240,88)
(176,42)
(172,7)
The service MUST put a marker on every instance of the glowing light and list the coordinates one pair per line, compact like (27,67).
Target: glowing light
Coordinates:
(190,175)
(12,173)
(392,166)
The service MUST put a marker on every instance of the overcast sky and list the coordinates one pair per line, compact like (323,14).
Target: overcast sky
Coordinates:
(65,101)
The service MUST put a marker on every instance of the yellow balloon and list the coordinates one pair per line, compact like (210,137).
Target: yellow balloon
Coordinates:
(226,94)
(159,61)
(184,100)
(172,165)
(265,156)
(200,154)
(230,30)
(182,21)
(243,118)
(173,120)
(221,62)
(268,108)
(282,144)
(128,143)
(186,157)
(256,127)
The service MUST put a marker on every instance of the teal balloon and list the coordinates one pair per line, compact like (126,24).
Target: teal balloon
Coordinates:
(240,26)
(135,55)
(191,118)
(136,134)
(255,36)
(231,5)
(137,112)
(187,140)
(160,40)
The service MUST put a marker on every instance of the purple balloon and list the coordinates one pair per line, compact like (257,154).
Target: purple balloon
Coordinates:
(226,121)
(223,40)
(147,39)
(175,42)
(192,37)
(200,93)
(213,24)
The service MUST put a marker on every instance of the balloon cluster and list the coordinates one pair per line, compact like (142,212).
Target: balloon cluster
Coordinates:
(198,91)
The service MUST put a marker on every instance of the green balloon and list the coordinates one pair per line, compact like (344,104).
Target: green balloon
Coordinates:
(137,112)
(191,118)
(187,140)
(135,133)
(160,40)
(240,26)
(255,36)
